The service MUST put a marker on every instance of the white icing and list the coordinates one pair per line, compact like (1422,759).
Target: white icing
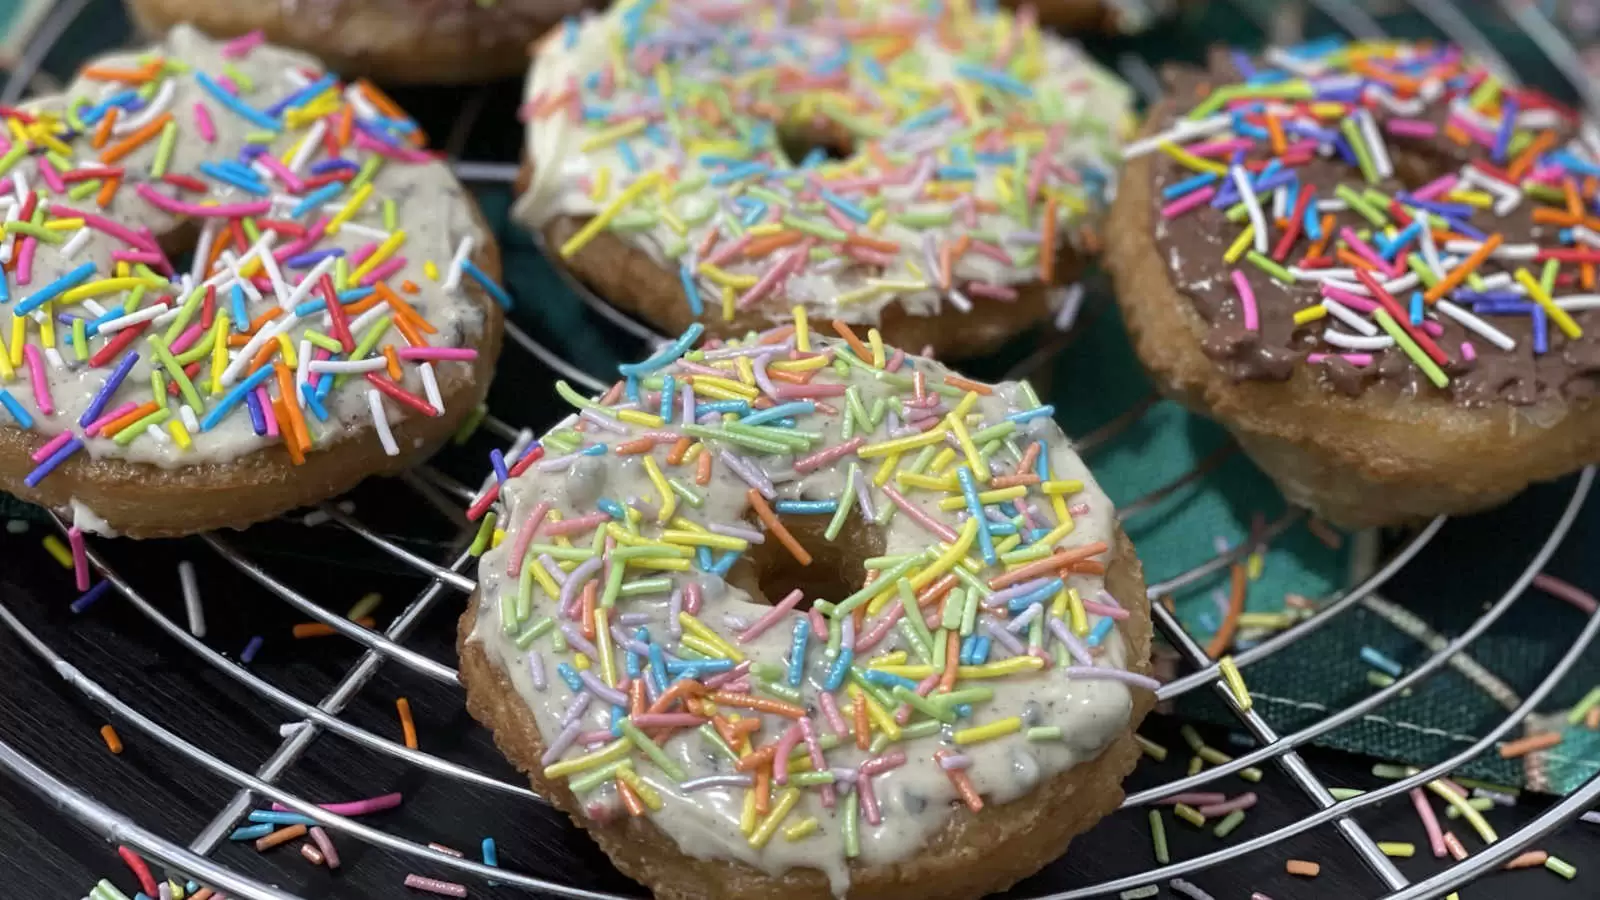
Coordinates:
(563,169)
(706,823)
(431,208)
(87,520)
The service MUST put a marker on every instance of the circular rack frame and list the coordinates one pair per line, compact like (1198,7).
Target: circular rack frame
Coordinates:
(448,584)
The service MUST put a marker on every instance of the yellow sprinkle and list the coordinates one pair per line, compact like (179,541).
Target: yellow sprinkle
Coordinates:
(1185,158)
(1473,817)
(1235,681)
(912,479)
(609,753)
(1079,621)
(1542,297)
(875,341)
(669,500)
(953,422)
(640,417)
(746,391)
(765,229)
(885,470)
(942,461)
(602,184)
(55,548)
(696,627)
(286,347)
(747,815)
(1471,198)
(384,251)
(647,794)
(727,303)
(706,539)
(986,497)
(581,662)
(965,405)
(800,365)
(600,221)
(1310,314)
(615,133)
(1016,665)
(64,224)
(1061,487)
(948,560)
(430,270)
(801,829)
(769,825)
(802,333)
(901,445)
(19,336)
(980,733)
(353,206)
(1397,849)
(1240,244)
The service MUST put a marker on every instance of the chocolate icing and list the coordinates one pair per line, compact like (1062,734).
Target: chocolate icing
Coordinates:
(1192,247)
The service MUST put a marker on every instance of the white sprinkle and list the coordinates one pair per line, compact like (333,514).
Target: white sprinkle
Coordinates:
(154,108)
(958,300)
(368,231)
(1182,131)
(54,356)
(380,421)
(1472,323)
(1375,144)
(268,332)
(1357,342)
(347,366)
(430,387)
(1576,302)
(19,184)
(191,598)
(360,323)
(309,282)
(312,141)
(131,319)
(302,372)
(1071,304)
(74,244)
(280,288)
(1189,890)
(1241,181)
(1349,317)
(452,278)
(202,250)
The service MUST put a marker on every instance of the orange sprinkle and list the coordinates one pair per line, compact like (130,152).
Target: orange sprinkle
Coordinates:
(863,726)
(264,318)
(1530,154)
(1530,744)
(944,265)
(364,304)
(1593,719)
(102,198)
(103,132)
(1230,623)
(409,286)
(1086,567)
(957,381)
(1327,234)
(1275,132)
(935,592)
(113,742)
(388,107)
(392,361)
(759,704)
(764,790)
(757,759)
(765,244)
(1448,283)
(776,335)
(634,447)
(1303,868)
(297,420)
(963,784)
(1549,215)
(770,519)
(341,131)
(281,836)
(136,139)
(636,697)
(1569,187)
(1054,561)
(1586,276)
(702,472)
(844,331)
(402,309)
(630,800)
(1453,844)
(317,629)
(871,243)
(1529,860)
(409,332)
(132,76)
(1005,481)
(676,691)
(1457,134)
(675,455)
(591,594)
(290,443)
(952,655)
(1029,457)
(1047,243)
(408,728)
(115,425)
(1350,259)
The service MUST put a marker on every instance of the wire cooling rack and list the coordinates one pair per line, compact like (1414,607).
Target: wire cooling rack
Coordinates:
(431,547)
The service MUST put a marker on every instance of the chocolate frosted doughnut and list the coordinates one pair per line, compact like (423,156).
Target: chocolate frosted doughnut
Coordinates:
(923,169)
(401,41)
(1376,265)
(802,617)
(335,321)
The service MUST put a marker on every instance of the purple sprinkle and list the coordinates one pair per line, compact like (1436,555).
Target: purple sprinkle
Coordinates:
(311,258)
(575,711)
(634,618)
(536,670)
(951,761)
(1074,646)
(56,459)
(251,649)
(991,625)
(1133,679)
(743,534)
(559,746)
(602,690)
(114,381)
(715,781)
(89,598)
(578,641)
(674,607)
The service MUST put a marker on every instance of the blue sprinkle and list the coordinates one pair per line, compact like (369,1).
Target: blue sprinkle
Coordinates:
(666,355)
(258,417)
(669,393)
(611,508)
(495,290)
(1037,595)
(570,676)
(737,407)
(55,289)
(315,199)
(841,665)
(251,649)
(1193,183)
(17,410)
(241,317)
(807,507)
(497,461)
(277,817)
(725,563)
(234,396)
(782,410)
(1098,633)
(797,651)
(888,679)
(490,857)
(313,402)
(1416,307)
(994,78)
(658,667)
(1031,414)
(1381,662)
(251,832)
(90,597)
(691,291)
(845,206)
(45,468)
(239,107)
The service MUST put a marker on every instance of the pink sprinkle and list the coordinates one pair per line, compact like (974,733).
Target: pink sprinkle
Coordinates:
(991,291)
(1441,185)
(41,381)
(49,449)
(780,757)
(828,455)
(787,391)
(777,274)
(279,169)
(1416,128)
(94,427)
(462,354)
(1187,202)
(1243,801)
(267,411)
(354,807)
(25,260)
(1365,251)
(1101,609)
(383,271)
(869,801)
(1467,351)
(134,256)
(691,598)
(1247,298)
(770,617)
(243,44)
(221,211)
(1430,823)
(187,339)
(1556,587)
(1354,301)
(830,711)
(576,524)
(920,516)
(435,886)
(202,123)
(80,557)
(1432,328)
(519,547)
(228,85)
(330,855)
(1354,359)
(51,176)
(1219,148)
(667,720)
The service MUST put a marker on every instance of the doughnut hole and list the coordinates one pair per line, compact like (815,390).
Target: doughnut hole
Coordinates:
(768,572)
(798,139)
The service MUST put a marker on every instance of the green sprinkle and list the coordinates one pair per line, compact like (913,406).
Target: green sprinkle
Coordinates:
(1191,737)
(1266,265)
(1344,793)
(245,82)
(851,828)
(43,234)
(1481,804)
(126,435)
(1140,893)
(169,139)
(1044,733)
(780,690)
(1229,823)
(1195,765)
(1358,143)
(1158,837)
(533,632)
(847,499)
(817,229)
(485,534)
(716,742)
(921,704)
(1557,865)
(1360,206)
(810,779)
(585,782)
(658,756)
(754,442)
(368,170)
(1423,362)
(922,729)
(1151,749)
(645,586)
(390,217)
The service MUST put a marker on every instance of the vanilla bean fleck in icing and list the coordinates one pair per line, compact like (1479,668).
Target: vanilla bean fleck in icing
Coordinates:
(971,139)
(618,593)
(285,186)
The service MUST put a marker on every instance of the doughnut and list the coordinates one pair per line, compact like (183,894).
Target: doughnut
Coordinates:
(931,174)
(1374,264)
(1110,16)
(394,41)
(152,396)
(749,712)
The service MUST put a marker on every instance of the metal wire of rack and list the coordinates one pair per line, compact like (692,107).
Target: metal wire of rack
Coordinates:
(446,583)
